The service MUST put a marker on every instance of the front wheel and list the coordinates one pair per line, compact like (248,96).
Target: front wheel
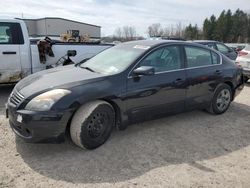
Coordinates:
(221,99)
(92,124)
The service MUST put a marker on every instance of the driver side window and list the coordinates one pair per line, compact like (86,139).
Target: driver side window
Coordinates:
(164,59)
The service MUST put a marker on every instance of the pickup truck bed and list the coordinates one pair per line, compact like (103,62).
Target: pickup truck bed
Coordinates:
(84,50)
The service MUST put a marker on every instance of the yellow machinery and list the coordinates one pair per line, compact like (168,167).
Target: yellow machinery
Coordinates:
(74,36)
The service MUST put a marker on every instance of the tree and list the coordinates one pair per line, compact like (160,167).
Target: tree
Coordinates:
(132,33)
(191,32)
(228,30)
(239,28)
(155,30)
(220,27)
(166,32)
(179,30)
(207,32)
(118,33)
(228,27)
(209,28)
(126,33)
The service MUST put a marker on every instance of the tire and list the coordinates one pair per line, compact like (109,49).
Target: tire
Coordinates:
(221,100)
(92,124)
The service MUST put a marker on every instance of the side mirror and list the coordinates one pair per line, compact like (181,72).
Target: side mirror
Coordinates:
(71,53)
(144,71)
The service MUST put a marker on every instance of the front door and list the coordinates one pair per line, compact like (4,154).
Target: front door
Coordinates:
(163,92)
(10,62)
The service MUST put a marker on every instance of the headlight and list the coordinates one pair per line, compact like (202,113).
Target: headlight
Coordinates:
(45,101)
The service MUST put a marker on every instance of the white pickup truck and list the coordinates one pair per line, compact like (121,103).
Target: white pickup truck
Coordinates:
(19,57)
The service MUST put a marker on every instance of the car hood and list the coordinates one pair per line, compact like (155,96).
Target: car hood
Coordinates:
(62,77)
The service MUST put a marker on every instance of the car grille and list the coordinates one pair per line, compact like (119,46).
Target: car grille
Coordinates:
(16,98)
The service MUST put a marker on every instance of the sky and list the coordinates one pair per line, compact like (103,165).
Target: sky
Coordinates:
(110,14)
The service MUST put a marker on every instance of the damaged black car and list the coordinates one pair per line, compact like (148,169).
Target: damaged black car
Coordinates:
(127,83)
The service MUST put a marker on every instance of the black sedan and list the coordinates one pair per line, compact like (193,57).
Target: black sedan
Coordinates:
(130,82)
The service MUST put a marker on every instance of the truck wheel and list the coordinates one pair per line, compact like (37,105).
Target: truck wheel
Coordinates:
(92,124)
(221,99)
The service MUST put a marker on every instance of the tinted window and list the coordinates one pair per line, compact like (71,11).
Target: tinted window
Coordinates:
(164,59)
(215,58)
(210,45)
(11,33)
(222,48)
(197,57)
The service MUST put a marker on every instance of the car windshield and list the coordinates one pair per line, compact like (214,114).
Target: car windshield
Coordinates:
(114,60)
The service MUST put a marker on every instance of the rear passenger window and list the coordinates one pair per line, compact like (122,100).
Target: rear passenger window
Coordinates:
(197,57)
(216,58)
(11,33)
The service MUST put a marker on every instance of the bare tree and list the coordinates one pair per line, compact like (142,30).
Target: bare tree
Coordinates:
(155,30)
(126,33)
(172,30)
(118,33)
(179,30)
(132,33)
(166,32)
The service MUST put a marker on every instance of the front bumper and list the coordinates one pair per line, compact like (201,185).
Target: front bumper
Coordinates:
(38,126)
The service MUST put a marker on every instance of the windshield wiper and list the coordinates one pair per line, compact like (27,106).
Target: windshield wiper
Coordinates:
(87,68)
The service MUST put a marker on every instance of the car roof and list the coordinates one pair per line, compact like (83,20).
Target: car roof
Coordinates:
(204,41)
(150,42)
(154,43)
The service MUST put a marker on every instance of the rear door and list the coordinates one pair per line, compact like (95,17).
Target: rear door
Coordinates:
(204,72)
(10,63)
(163,92)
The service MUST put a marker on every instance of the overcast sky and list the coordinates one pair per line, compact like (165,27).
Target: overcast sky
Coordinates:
(110,14)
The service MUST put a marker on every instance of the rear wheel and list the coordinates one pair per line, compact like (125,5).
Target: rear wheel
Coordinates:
(221,99)
(92,124)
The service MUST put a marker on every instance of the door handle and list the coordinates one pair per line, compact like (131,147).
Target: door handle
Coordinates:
(218,72)
(9,53)
(178,81)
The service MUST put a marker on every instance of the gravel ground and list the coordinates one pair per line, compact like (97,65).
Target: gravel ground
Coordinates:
(193,149)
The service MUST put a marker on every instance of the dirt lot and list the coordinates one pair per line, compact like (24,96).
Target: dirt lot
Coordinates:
(193,149)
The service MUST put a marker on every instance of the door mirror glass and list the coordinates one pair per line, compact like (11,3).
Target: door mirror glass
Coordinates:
(144,71)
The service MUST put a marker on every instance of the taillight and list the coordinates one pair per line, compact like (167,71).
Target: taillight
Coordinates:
(242,53)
